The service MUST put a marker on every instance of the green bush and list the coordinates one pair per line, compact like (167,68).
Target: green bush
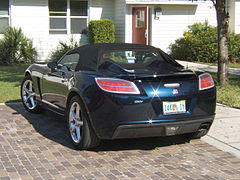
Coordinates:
(199,43)
(101,31)
(15,47)
(234,48)
(63,48)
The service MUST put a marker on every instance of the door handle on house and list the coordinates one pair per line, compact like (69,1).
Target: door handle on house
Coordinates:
(146,33)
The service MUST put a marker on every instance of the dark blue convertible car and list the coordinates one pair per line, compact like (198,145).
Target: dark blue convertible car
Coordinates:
(111,91)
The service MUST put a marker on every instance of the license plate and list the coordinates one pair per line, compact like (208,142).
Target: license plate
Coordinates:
(174,107)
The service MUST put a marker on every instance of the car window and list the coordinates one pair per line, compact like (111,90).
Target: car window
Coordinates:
(130,57)
(69,62)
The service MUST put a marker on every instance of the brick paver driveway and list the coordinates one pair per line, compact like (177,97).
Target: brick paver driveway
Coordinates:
(37,147)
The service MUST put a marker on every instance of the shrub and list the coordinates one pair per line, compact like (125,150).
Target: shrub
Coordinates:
(15,47)
(234,48)
(101,31)
(63,48)
(199,43)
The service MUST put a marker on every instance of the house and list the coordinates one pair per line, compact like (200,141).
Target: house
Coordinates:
(154,22)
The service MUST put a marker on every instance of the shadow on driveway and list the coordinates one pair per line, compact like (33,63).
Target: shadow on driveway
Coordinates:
(53,127)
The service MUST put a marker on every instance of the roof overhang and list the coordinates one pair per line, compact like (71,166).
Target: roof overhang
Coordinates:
(145,2)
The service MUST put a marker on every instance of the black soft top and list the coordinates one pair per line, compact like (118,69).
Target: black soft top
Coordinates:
(91,54)
(112,46)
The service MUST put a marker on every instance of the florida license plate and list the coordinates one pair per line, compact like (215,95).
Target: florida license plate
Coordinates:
(174,107)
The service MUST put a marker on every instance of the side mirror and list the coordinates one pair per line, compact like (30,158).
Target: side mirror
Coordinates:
(52,65)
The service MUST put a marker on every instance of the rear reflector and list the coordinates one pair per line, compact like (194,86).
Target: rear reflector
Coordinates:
(205,81)
(114,85)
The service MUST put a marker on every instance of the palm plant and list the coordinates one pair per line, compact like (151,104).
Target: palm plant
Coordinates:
(16,47)
(63,48)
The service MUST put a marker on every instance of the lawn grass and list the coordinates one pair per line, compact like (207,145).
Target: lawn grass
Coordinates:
(10,82)
(230,94)
(231,65)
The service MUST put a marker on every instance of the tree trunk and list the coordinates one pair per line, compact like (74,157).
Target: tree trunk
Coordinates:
(223,23)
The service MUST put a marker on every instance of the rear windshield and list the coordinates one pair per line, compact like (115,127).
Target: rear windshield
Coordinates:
(127,57)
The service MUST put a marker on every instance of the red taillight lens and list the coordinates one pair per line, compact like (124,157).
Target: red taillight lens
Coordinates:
(205,81)
(117,86)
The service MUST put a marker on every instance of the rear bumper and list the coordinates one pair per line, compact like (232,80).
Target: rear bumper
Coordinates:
(162,129)
(115,116)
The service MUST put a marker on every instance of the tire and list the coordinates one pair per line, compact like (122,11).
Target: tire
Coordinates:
(80,130)
(28,96)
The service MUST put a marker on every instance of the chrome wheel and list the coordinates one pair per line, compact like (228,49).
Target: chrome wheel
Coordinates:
(75,122)
(29,95)
(79,127)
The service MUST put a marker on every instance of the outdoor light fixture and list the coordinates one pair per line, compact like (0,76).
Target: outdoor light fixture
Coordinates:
(157,12)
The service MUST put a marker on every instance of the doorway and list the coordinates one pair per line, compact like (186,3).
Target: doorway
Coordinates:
(139,33)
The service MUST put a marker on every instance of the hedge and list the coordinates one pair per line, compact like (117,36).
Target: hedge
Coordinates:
(199,43)
(101,31)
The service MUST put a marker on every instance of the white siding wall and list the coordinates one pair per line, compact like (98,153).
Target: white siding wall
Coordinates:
(128,24)
(237,17)
(176,19)
(33,17)
(119,20)
(101,9)
(113,10)
(231,9)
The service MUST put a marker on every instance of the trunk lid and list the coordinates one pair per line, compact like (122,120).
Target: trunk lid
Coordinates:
(178,84)
(158,79)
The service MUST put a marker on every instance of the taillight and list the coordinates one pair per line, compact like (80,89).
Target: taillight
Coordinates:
(205,81)
(114,85)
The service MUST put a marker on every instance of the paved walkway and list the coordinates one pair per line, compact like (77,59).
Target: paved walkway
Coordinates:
(37,147)
(225,131)
(204,67)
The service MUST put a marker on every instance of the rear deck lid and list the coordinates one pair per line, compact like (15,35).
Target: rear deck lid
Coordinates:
(152,71)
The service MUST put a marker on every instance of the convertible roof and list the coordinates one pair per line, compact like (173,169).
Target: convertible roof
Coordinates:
(90,54)
(115,46)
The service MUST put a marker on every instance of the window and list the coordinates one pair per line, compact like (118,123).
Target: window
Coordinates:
(69,62)
(67,16)
(4,14)
(58,16)
(131,56)
(78,12)
(140,18)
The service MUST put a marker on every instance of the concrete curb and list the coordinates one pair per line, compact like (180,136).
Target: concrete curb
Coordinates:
(206,67)
(221,145)
(11,103)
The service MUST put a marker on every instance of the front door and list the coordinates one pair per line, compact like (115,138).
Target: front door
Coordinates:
(139,35)
(56,82)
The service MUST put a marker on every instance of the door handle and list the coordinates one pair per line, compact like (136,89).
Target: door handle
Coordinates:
(145,33)
(64,80)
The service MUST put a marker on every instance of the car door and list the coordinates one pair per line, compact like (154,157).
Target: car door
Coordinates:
(56,81)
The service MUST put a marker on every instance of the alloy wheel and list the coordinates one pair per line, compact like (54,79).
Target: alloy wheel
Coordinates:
(29,95)
(75,122)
